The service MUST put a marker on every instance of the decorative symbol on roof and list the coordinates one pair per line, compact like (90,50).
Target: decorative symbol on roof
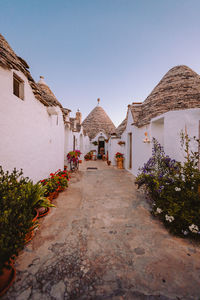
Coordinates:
(98,100)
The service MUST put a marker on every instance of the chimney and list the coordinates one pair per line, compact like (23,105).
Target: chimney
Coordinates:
(78,117)
(41,81)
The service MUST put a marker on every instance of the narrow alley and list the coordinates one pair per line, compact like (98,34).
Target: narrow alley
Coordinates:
(101,242)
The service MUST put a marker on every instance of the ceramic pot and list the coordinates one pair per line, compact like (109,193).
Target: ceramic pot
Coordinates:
(7,279)
(43,211)
(120,162)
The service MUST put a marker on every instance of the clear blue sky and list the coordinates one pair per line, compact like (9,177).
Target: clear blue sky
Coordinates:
(116,50)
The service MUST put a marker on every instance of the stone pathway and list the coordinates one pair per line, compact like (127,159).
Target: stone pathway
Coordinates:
(101,242)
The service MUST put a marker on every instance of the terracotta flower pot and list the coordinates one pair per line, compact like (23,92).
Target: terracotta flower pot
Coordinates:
(53,195)
(120,162)
(43,211)
(30,235)
(7,279)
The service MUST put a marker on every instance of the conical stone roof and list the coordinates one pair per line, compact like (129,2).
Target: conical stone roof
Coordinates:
(178,89)
(98,121)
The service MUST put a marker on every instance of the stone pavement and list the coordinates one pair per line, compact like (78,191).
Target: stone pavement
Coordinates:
(101,242)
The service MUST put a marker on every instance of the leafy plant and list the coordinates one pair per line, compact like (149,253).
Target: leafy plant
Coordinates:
(35,195)
(73,155)
(88,156)
(173,188)
(119,155)
(56,182)
(16,214)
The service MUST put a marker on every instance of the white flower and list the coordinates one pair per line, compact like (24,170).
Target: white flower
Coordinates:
(192,188)
(158,210)
(185,232)
(177,189)
(169,218)
(194,228)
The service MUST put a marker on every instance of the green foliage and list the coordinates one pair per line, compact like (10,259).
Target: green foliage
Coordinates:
(16,214)
(173,188)
(88,156)
(56,182)
(35,195)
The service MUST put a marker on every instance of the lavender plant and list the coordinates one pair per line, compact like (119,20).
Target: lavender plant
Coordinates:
(173,188)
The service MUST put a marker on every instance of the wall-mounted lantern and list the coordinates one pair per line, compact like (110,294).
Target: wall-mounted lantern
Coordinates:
(146,139)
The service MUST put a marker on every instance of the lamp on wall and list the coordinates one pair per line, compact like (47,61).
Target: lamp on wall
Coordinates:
(146,139)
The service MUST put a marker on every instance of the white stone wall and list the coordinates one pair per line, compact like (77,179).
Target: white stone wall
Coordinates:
(30,138)
(175,122)
(141,151)
(113,148)
(166,129)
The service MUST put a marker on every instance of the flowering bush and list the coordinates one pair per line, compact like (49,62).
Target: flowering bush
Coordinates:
(56,182)
(73,155)
(173,189)
(119,155)
(88,156)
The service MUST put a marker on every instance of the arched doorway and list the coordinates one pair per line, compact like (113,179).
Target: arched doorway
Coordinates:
(101,146)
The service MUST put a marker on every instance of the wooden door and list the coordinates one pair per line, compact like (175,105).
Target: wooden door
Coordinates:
(130,150)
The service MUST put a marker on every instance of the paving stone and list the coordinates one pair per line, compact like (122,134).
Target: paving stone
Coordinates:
(58,290)
(101,242)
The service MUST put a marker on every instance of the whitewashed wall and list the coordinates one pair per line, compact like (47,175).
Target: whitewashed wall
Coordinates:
(68,143)
(175,122)
(141,151)
(30,138)
(166,129)
(113,148)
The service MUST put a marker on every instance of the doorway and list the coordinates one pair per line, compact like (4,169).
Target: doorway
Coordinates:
(101,149)
(130,151)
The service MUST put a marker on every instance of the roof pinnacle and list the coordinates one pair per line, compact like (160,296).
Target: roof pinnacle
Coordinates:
(98,100)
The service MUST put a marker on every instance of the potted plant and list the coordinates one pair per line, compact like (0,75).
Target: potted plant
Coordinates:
(120,158)
(73,155)
(88,156)
(38,201)
(16,215)
(95,143)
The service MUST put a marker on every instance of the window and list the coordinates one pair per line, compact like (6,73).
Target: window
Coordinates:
(18,86)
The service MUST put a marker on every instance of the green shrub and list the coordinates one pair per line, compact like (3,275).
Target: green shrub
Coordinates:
(173,189)
(16,214)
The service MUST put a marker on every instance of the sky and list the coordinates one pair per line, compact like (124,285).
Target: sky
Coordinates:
(115,50)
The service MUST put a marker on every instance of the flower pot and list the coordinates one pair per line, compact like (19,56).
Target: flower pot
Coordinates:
(43,211)
(30,234)
(36,215)
(7,279)
(53,195)
(120,162)
(108,162)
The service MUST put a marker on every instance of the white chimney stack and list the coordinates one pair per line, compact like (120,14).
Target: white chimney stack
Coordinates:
(41,81)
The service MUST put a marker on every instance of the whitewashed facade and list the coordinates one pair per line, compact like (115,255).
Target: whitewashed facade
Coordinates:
(172,107)
(31,138)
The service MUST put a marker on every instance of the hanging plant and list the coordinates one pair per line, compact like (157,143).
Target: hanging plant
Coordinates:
(95,143)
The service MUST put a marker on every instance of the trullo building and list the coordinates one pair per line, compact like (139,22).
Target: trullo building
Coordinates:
(99,127)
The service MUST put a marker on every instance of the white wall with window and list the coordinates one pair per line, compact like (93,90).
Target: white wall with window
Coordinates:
(31,139)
